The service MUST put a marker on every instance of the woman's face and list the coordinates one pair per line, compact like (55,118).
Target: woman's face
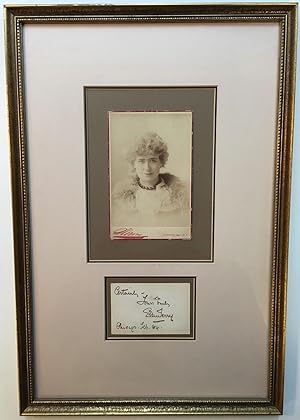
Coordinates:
(147,168)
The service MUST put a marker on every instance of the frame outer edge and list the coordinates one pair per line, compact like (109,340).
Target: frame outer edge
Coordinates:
(139,408)
(240,8)
(285,185)
(17,209)
(27,405)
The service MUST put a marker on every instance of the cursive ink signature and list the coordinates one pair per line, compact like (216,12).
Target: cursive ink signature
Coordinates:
(125,292)
(120,326)
(145,300)
(158,314)
(127,233)
(160,303)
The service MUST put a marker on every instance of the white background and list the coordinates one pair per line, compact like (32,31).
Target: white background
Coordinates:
(8,367)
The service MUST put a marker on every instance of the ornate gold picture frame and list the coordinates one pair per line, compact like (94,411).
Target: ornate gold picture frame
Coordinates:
(234,363)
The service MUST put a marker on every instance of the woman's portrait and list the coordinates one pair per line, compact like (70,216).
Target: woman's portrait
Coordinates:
(150,175)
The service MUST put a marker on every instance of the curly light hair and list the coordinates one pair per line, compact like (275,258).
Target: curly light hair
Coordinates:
(149,143)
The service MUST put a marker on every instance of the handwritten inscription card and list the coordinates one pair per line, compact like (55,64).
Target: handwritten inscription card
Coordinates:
(149,308)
